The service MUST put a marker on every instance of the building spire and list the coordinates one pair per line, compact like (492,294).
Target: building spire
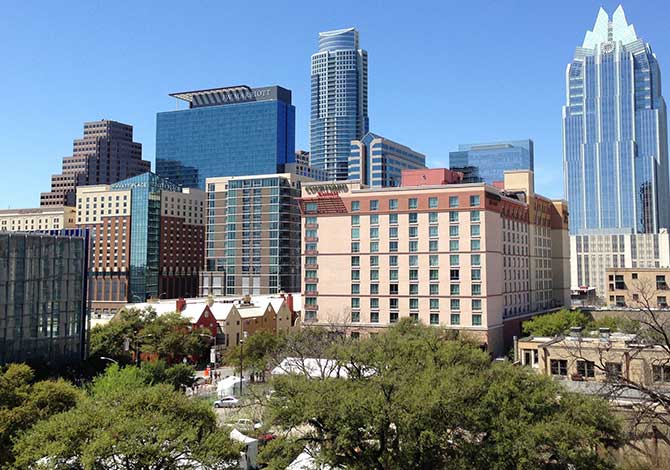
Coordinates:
(606,30)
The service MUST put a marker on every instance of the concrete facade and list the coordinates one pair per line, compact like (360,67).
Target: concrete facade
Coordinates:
(468,257)
(638,287)
(40,218)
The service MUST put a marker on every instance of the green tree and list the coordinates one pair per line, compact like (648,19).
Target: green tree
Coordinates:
(178,375)
(171,336)
(259,351)
(24,403)
(556,323)
(124,423)
(413,400)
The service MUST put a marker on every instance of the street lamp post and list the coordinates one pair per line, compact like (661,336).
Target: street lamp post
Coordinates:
(109,359)
(214,339)
(244,336)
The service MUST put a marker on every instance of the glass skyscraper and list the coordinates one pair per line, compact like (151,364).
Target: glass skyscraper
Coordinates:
(229,131)
(339,100)
(615,133)
(378,162)
(487,162)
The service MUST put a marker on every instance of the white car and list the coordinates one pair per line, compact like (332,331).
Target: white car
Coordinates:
(227,402)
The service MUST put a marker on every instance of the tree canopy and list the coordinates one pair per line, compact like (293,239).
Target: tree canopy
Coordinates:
(557,323)
(24,402)
(413,400)
(121,422)
(259,351)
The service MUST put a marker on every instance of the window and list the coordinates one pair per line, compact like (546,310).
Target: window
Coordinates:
(413,231)
(455,289)
(393,232)
(413,260)
(355,261)
(433,245)
(559,366)
(374,205)
(455,319)
(613,369)
(374,232)
(474,230)
(311,207)
(432,231)
(393,246)
(355,317)
(355,247)
(393,219)
(413,203)
(414,289)
(455,304)
(454,274)
(660,283)
(586,368)
(393,304)
(475,245)
(434,304)
(413,304)
(355,302)
(355,206)
(374,289)
(474,201)
(432,202)
(474,216)
(661,372)
(355,233)
(453,201)
(393,316)
(374,303)
(434,289)
(476,275)
(355,288)
(453,230)
(393,275)
(374,260)
(413,274)
(413,218)
(393,204)
(476,289)
(374,317)
(434,260)
(393,289)
(476,304)
(662,301)
(374,274)
(453,260)
(393,260)
(355,275)
(434,275)
(355,220)
(475,260)
(374,219)
(434,318)
(453,216)
(476,319)
(453,245)
(432,217)
(374,247)
(413,246)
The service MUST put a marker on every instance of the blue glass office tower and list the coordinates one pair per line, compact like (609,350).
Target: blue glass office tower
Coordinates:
(229,131)
(487,162)
(339,100)
(378,162)
(615,133)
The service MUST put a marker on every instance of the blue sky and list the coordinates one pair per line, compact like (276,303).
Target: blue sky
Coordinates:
(440,72)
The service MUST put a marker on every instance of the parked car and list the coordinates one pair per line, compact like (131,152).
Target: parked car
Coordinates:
(227,402)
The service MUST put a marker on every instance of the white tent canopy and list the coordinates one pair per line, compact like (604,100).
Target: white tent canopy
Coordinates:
(229,386)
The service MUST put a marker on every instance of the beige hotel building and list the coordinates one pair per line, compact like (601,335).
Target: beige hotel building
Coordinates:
(470,257)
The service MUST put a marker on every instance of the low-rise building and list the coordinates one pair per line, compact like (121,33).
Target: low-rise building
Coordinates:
(469,257)
(638,287)
(580,357)
(37,219)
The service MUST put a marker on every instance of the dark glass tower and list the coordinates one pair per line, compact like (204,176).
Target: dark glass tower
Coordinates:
(229,131)
(339,100)
(615,146)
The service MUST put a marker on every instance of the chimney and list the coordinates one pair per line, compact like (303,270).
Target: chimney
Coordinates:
(210,300)
(246,300)
(576,332)
(289,302)
(181,304)
(604,334)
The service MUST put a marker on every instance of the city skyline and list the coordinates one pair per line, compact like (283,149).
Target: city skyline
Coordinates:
(433,118)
